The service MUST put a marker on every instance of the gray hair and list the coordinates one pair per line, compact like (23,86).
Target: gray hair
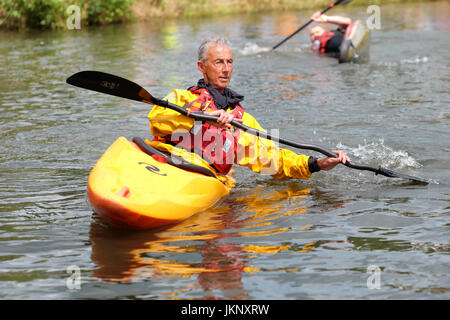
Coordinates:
(203,49)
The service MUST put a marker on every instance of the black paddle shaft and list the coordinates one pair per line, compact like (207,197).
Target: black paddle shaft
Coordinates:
(121,87)
(203,117)
(308,23)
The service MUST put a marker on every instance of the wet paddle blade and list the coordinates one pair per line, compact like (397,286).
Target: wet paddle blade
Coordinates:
(109,84)
(392,174)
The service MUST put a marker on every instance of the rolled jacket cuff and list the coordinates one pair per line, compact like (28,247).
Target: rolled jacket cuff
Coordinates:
(313,166)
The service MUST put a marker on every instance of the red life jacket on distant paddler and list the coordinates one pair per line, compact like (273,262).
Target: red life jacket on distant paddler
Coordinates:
(217,146)
(323,38)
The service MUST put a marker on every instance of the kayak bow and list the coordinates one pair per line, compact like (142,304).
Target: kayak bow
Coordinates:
(129,188)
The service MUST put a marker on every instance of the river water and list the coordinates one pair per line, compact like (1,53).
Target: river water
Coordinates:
(343,234)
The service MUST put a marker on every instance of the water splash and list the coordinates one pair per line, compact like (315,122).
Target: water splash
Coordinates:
(252,49)
(306,47)
(416,60)
(377,153)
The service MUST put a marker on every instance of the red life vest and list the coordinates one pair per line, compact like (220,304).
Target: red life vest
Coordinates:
(323,38)
(217,146)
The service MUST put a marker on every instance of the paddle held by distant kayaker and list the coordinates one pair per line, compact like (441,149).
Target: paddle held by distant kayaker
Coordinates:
(328,41)
(218,145)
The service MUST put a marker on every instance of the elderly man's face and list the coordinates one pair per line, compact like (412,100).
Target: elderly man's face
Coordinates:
(218,66)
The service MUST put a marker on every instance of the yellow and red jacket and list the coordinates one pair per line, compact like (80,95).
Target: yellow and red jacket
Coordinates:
(216,145)
(258,154)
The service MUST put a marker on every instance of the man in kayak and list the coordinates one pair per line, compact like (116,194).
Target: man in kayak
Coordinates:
(325,41)
(216,145)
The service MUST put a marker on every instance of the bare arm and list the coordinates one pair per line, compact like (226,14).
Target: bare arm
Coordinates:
(342,22)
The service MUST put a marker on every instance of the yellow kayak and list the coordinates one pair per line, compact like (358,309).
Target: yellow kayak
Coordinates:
(129,188)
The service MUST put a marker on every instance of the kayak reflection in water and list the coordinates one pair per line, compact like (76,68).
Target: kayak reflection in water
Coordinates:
(216,145)
(326,41)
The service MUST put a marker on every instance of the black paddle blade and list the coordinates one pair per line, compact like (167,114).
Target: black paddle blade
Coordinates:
(110,84)
(391,174)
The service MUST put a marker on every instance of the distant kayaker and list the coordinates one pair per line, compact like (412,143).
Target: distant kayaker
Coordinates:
(217,144)
(326,41)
